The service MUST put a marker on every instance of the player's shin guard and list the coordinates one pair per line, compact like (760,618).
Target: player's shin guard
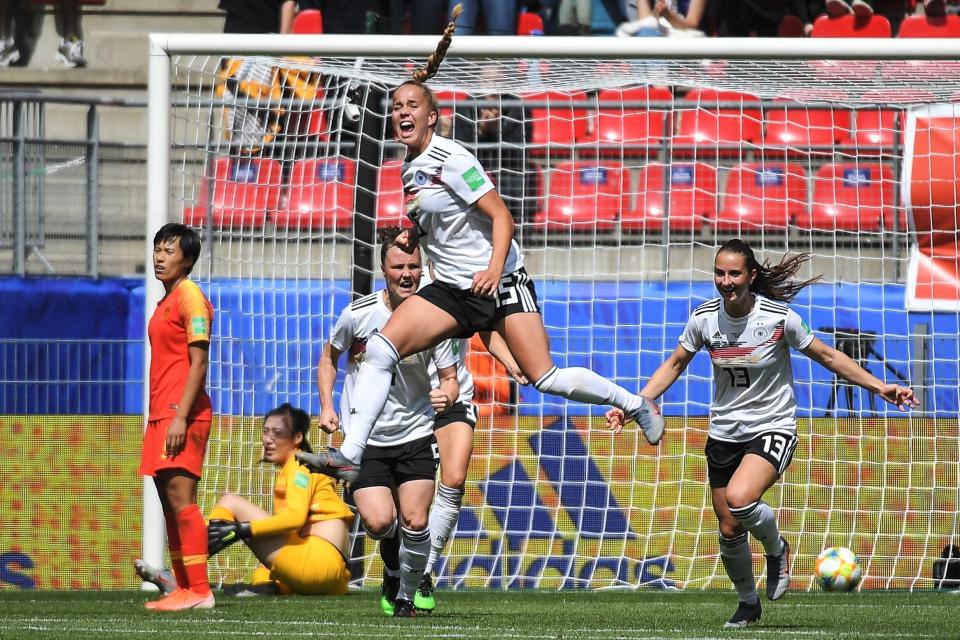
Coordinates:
(443,517)
(414,547)
(389,547)
(193,541)
(375,378)
(583,385)
(758,518)
(736,558)
(176,553)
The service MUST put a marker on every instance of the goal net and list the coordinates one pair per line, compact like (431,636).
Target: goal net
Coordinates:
(625,165)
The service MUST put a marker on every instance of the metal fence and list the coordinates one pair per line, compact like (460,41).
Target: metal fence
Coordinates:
(70,205)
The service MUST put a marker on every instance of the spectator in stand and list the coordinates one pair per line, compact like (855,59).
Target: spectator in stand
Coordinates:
(685,16)
(8,48)
(892,10)
(763,18)
(70,51)
(258,16)
(500,16)
(859,8)
(354,16)
(498,140)
(424,17)
(578,13)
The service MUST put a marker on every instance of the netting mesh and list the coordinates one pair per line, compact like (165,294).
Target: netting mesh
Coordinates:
(623,177)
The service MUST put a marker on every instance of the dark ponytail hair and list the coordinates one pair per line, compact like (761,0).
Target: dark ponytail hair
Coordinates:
(421,75)
(297,419)
(776,281)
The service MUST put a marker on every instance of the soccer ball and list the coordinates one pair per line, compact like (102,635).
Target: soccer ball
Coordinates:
(838,569)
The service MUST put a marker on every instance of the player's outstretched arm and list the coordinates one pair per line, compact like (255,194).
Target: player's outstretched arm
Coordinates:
(326,376)
(661,380)
(842,365)
(498,348)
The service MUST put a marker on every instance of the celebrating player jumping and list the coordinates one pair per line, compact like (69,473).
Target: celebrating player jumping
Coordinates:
(467,232)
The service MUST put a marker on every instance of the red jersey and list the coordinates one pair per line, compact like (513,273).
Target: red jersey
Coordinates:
(182,318)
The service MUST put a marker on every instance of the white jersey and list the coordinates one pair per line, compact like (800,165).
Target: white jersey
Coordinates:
(460,348)
(408,414)
(441,187)
(752,373)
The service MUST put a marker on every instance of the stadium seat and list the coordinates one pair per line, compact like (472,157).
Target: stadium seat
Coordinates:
(693,198)
(308,21)
(798,128)
(558,125)
(448,101)
(850,197)
(583,196)
(390,209)
(876,127)
(930,27)
(849,26)
(761,196)
(529,23)
(245,190)
(320,196)
(707,129)
(491,382)
(622,131)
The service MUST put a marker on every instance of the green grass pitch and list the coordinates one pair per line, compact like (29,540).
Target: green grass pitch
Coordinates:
(513,615)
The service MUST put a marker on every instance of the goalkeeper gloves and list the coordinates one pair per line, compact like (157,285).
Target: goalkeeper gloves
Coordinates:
(223,533)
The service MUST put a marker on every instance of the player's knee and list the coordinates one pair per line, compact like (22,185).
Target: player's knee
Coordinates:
(380,528)
(381,353)
(730,528)
(738,498)
(454,479)
(415,521)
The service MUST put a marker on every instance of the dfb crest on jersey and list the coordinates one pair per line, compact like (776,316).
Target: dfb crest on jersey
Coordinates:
(760,333)
(420,178)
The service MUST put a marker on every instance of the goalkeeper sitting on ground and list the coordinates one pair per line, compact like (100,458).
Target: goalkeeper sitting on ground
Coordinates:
(302,545)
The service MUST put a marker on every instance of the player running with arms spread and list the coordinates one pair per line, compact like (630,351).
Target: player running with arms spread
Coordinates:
(748,332)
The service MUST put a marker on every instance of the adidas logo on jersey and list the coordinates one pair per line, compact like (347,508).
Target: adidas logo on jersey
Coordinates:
(717,335)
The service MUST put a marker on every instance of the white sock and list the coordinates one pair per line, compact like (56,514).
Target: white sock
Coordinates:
(374,379)
(443,518)
(759,520)
(583,385)
(414,547)
(735,554)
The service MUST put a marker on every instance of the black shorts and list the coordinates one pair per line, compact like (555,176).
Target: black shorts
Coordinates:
(515,294)
(392,466)
(723,458)
(458,412)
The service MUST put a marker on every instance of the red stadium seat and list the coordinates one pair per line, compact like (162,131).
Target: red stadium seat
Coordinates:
(702,129)
(320,196)
(244,191)
(583,196)
(849,26)
(449,100)
(693,198)
(308,21)
(930,27)
(762,196)
(878,125)
(529,23)
(850,197)
(390,207)
(616,129)
(798,127)
(558,125)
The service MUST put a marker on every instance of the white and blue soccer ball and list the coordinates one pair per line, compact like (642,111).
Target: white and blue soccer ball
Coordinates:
(838,569)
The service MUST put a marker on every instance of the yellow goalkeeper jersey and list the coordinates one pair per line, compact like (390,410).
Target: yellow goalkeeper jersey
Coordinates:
(300,498)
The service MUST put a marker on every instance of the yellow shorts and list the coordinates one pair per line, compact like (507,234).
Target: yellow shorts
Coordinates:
(311,566)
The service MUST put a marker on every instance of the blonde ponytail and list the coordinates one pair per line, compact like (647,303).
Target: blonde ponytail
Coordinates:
(433,62)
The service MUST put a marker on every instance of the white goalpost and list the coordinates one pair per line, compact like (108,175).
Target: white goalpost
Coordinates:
(625,162)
